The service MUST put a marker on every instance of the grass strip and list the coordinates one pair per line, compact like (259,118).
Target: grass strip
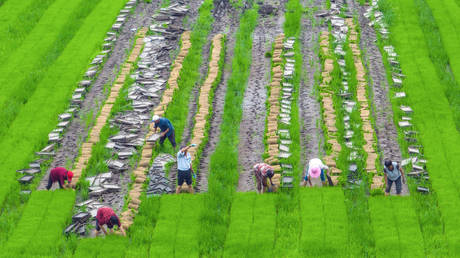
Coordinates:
(29,132)
(396,229)
(22,77)
(17,22)
(263,226)
(186,242)
(239,231)
(325,229)
(440,28)
(426,206)
(39,232)
(110,246)
(437,132)
(164,237)
(251,231)
(224,161)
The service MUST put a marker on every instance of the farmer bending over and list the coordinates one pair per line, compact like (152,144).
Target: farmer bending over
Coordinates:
(106,215)
(393,174)
(60,175)
(184,169)
(315,169)
(263,171)
(166,128)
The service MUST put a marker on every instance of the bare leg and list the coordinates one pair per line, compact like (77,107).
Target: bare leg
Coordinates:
(190,189)
(178,188)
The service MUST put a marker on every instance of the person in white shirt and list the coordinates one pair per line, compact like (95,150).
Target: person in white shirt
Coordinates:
(184,169)
(315,169)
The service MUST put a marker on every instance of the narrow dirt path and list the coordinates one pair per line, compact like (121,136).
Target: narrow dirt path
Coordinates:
(226,21)
(387,135)
(252,127)
(310,111)
(77,131)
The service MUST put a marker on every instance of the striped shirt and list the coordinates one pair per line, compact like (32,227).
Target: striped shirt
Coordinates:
(262,169)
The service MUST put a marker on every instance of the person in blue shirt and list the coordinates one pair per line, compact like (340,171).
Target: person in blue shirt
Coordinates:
(166,128)
(184,169)
(393,173)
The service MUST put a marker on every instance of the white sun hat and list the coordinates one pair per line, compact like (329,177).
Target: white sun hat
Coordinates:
(155,118)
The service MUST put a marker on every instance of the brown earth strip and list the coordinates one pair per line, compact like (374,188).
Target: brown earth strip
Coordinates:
(127,216)
(252,126)
(309,109)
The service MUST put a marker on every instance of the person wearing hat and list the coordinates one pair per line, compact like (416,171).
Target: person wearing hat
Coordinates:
(184,169)
(315,169)
(60,175)
(393,173)
(263,172)
(106,216)
(166,128)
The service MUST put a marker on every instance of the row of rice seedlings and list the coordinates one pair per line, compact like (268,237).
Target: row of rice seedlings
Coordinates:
(396,228)
(39,232)
(252,224)
(41,53)
(18,19)
(326,223)
(426,205)
(356,182)
(288,224)
(440,29)
(13,204)
(223,174)
(28,132)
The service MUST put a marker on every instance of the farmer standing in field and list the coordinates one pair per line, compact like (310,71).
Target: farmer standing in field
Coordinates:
(60,175)
(393,173)
(106,215)
(263,172)
(184,169)
(166,128)
(315,169)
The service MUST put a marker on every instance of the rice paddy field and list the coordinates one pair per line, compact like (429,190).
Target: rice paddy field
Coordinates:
(354,83)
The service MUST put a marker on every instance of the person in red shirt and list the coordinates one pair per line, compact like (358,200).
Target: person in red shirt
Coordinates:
(60,175)
(263,172)
(106,215)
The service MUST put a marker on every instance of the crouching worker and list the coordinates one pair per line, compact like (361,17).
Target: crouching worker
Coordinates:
(393,173)
(106,216)
(315,169)
(184,169)
(166,129)
(60,175)
(263,172)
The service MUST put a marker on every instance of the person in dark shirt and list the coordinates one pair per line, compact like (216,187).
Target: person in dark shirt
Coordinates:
(166,128)
(60,175)
(106,216)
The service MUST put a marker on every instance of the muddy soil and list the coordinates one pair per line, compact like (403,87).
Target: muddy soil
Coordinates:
(309,108)
(252,126)
(77,131)
(387,135)
(226,21)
